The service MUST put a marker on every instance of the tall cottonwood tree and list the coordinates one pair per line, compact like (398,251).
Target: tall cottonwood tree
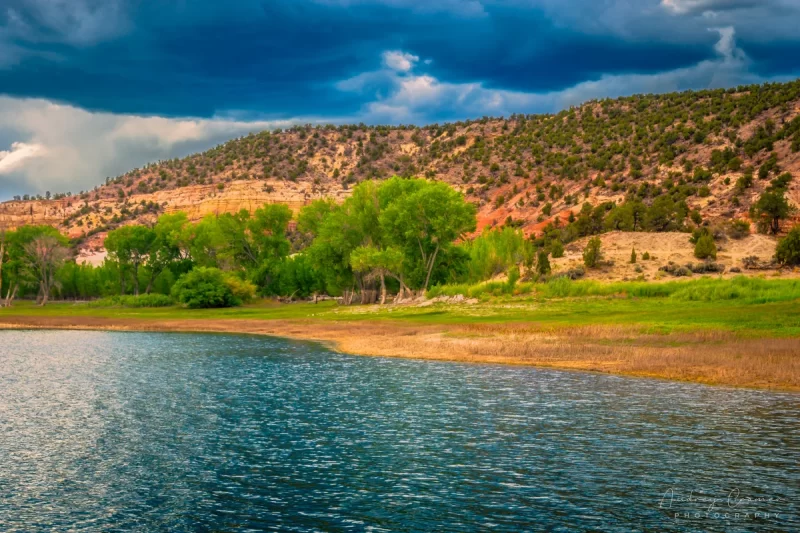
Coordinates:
(425,220)
(375,262)
(130,246)
(2,254)
(43,257)
(19,265)
(168,245)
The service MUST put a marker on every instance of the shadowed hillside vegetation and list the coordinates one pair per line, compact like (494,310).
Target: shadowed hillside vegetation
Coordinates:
(705,155)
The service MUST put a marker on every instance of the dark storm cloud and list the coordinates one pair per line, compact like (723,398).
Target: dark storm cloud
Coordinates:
(282,58)
(92,88)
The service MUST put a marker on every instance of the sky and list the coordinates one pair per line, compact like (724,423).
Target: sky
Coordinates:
(94,88)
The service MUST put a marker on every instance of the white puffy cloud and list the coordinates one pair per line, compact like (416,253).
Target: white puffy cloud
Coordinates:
(418,98)
(399,60)
(14,158)
(63,148)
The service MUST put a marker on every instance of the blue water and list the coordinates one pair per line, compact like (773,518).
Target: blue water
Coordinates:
(181,432)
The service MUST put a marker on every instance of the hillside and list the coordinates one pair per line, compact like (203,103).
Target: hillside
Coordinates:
(526,169)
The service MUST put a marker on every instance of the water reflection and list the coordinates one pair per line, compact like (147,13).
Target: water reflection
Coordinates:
(152,432)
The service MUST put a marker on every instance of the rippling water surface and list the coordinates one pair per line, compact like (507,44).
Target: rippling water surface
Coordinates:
(174,432)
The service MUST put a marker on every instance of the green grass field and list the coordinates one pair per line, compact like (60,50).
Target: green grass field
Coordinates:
(750,307)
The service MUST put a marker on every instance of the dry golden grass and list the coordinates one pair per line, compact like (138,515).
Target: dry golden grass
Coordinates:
(665,247)
(712,357)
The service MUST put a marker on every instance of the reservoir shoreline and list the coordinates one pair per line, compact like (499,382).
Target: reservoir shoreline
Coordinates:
(708,357)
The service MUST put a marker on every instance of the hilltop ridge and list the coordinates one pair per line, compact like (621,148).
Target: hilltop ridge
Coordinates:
(525,170)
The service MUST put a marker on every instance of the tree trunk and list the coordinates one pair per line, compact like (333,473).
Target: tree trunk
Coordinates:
(430,268)
(45,296)
(403,287)
(360,283)
(2,256)
(11,294)
(383,289)
(150,283)
(136,280)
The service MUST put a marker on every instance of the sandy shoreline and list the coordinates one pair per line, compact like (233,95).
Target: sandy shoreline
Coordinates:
(716,358)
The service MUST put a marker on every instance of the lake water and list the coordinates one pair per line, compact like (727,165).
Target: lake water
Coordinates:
(103,431)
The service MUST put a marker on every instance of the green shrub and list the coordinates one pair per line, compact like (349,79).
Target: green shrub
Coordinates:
(676,270)
(738,229)
(542,264)
(481,290)
(557,249)
(788,250)
(633,255)
(646,256)
(742,288)
(751,290)
(592,254)
(571,274)
(697,233)
(242,290)
(560,287)
(210,287)
(705,248)
(495,251)
(513,277)
(142,300)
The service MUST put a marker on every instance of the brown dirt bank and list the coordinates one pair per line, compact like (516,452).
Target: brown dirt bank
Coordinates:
(717,358)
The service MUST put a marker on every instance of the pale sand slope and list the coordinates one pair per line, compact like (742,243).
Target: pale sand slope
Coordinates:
(666,247)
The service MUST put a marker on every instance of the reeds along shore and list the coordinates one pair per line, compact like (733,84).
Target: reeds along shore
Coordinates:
(710,357)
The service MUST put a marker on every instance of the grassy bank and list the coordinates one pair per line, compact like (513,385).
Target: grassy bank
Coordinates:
(743,332)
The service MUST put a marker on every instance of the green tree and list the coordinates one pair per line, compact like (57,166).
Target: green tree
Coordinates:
(295,276)
(495,251)
(312,216)
(592,255)
(168,245)
(20,271)
(619,219)
(208,245)
(626,217)
(542,264)
(130,247)
(769,210)
(265,244)
(788,249)
(267,232)
(428,218)
(633,255)
(339,231)
(705,247)
(43,255)
(556,249)
(3,254)
(662,215)
(379,263)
